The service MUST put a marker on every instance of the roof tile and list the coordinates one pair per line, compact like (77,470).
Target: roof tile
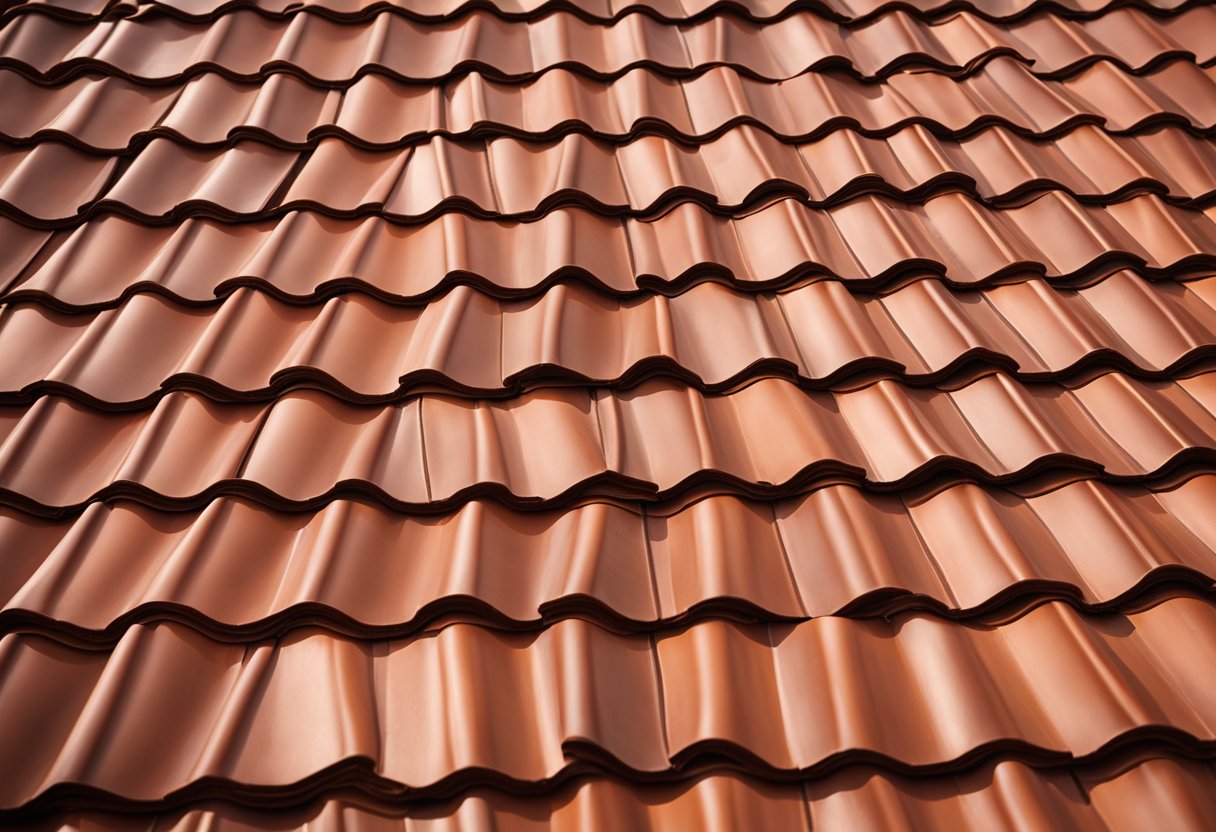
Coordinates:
(784,244)
(509,177)
(674,11)
(656,414)
(575,694)
(974,551)
(549,445)
(243,45)
(110,113)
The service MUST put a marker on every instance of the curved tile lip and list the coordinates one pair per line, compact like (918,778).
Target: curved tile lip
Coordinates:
(1044,473)
(1155,587)
(117,9)
(651,127)
(356,774)
(966,368)
(760,197)
(911,62)
(644,127)
(909,271)
(935,482)
(555,806)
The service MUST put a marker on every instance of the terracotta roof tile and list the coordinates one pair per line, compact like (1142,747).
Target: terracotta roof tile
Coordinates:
(109,112)
(506,709)
(252,347)
(362,570)
(871,243)
(579,414)
(1171,791)
(603,11)
(548,445)
(244,45)
(513,178)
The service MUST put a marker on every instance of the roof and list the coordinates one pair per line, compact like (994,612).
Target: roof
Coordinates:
(579,414)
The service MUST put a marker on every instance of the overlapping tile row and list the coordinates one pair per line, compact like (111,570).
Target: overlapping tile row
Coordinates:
(514,710)
(605,12)
(1173,793)
(515,179)
(109,112)
(870,244)
(596,11)
(245,45)
(600,408)
(654,442)
(238,572)
(251,347)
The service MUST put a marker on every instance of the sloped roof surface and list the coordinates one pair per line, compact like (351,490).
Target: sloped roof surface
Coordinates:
(658,415)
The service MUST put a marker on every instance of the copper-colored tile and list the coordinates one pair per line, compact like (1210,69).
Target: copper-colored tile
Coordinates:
(165,177)
(1170,787)
(496,415)
(517,178)
(240,569)
(1110,802)
(553,444)
(50,181)
(808,671)
(504,704)
(305,256)
(806,697)
(242,44)
(600,11)
(376,111)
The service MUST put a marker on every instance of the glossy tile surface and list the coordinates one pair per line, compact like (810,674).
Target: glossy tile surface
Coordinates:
(607,414)
(672,11)
(362,570)
(1173,792)
(514,178)
(102,111)
(507,709)
(869,244)
(244,45)
(251,347)
(654,441)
